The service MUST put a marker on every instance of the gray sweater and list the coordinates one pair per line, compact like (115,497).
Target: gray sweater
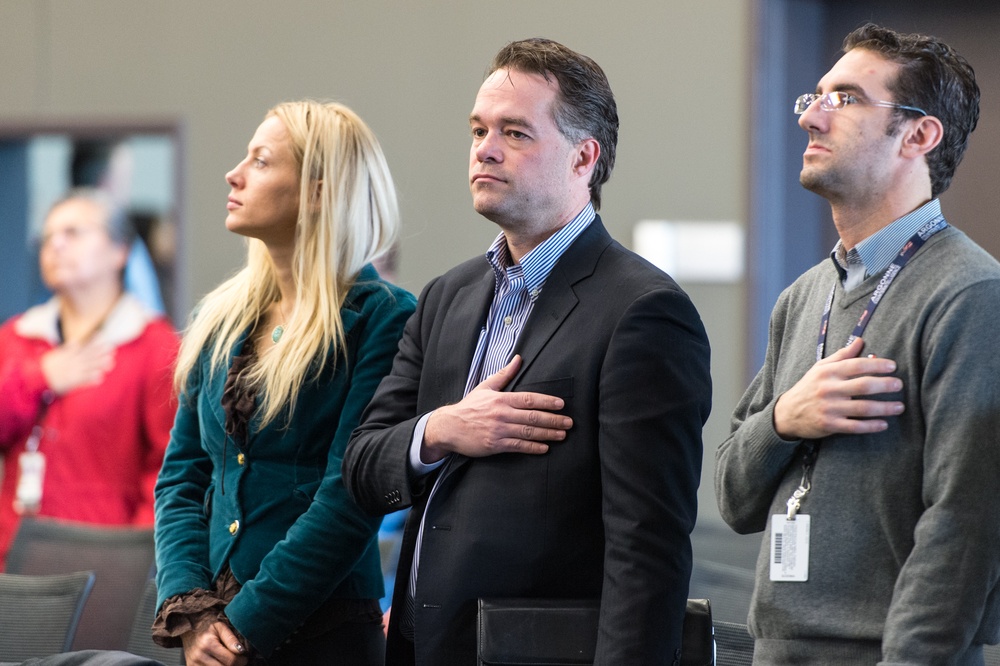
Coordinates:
(905,540)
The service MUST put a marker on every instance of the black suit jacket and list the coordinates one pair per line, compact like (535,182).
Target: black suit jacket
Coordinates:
(605,513)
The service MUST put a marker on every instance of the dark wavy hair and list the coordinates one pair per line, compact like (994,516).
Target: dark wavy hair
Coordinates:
(933,77)
(585,107)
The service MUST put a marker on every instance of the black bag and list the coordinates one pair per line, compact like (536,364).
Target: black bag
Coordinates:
(556,632)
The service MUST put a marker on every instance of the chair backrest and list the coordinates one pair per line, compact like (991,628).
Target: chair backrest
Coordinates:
(39,615)
(729,587)
(733,644)
(121,558)
(548,632)
(139,641)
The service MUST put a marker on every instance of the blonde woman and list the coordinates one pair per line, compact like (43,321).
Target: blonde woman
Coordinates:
(262,556)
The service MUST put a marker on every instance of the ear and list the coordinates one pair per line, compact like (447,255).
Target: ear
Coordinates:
(317,192)
(922,137)
(585,157)
(121,254)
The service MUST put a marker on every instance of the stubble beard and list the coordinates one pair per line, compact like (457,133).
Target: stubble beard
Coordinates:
(823,182)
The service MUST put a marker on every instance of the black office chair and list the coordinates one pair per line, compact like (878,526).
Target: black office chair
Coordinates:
(733,644)
(121,558)
(39,615)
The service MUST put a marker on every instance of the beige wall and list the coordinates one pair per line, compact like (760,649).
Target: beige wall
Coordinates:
(411,69)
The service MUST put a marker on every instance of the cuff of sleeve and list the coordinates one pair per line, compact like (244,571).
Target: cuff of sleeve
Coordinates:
(417,466)
(769,413)
(183,613)
(765,440)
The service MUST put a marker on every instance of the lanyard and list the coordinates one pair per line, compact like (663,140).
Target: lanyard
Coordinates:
(905,254)
(805,485)
(916,241)
(37,430)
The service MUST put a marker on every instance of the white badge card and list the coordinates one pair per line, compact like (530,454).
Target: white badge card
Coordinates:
(790,548)
(28,497)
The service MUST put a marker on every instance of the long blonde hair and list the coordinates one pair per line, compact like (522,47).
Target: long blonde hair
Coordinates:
(348,216)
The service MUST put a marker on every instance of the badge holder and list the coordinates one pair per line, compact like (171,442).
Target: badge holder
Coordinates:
(790,537)
(28,496)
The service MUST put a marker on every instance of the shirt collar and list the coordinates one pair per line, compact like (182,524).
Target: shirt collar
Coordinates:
(878,250)
(536,265)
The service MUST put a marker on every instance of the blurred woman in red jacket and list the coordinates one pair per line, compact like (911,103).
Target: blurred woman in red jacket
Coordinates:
(86,381)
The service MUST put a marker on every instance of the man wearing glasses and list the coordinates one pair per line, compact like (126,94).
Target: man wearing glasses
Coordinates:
(871,466)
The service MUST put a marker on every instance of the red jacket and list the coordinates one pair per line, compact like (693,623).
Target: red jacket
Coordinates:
(103,444)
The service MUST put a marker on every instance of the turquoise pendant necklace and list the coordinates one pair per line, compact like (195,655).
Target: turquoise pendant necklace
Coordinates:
(280,328)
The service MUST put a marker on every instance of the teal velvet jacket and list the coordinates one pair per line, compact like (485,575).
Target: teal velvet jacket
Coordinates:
(276,511)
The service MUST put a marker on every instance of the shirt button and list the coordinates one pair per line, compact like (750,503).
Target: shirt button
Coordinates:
(234,527)
(241,459)
(534,293)
(507,320)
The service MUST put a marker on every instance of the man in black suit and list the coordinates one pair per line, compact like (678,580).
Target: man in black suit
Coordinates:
(543,416)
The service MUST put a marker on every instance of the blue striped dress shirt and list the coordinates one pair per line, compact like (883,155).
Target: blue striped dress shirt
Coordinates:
(517,287)
(876,252)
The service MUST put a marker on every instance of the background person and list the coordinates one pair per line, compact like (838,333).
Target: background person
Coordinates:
(892,437)
(261,552)
(85,379)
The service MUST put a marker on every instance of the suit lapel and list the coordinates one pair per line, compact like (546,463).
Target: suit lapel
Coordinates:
(464,317)
(461,323)
(216,387)
(558,297)
(554,305)
(218,379)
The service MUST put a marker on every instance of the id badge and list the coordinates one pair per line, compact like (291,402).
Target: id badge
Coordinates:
(28,497)
(790,548)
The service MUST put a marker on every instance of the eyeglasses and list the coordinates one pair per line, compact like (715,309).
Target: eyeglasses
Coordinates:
(835,101)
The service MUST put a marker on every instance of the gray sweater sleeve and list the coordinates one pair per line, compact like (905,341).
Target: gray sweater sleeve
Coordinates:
(752,461)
